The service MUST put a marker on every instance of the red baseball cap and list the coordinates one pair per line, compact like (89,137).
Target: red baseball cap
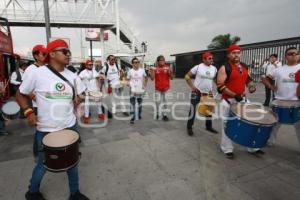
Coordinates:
(39,48)
(297,76)
(234,47)
(206,54)
(88,62)
(53,45)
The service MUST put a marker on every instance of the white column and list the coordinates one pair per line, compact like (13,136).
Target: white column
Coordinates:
(102,46)
(117,24)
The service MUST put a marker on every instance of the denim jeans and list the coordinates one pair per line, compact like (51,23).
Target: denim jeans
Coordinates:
(2,125)
(39,170)
(133,101)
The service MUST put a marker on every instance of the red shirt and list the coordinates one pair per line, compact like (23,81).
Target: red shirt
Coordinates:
(237,80)
(162,78)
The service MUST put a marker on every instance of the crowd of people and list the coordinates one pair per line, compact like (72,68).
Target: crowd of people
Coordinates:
(49,94)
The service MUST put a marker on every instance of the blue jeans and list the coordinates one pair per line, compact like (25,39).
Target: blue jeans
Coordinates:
(133,101)
(2,125)
(39,170)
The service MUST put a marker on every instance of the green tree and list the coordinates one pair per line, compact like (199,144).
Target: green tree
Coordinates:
(223,41)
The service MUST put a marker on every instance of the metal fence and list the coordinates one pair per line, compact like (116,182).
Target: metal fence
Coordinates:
(253,55)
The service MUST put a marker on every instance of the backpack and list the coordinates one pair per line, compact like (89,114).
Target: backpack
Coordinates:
(107,67)
(228,68)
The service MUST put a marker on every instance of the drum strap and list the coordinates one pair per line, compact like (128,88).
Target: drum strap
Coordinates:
(63,78)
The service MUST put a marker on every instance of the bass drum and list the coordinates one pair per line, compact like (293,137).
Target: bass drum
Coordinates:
(61,149)
(288,111)
(250,125)
(10,110)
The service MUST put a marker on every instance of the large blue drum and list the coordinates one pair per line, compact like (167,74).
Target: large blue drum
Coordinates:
(288,111)
(250,125)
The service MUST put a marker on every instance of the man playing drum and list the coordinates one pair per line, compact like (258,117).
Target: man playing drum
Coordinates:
(113,73)
(90,78)
(137,78)
(39,53)
(202,86)
(232,79)
(286,85)
(55,100)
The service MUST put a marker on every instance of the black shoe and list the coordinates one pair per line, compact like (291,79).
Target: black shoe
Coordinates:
(229,155)
(125,114)
(140,117)
(78,196)
(212,130)
(165,118)
(157,117)
(132,121)
(257,153)
(190,132)
(34,196)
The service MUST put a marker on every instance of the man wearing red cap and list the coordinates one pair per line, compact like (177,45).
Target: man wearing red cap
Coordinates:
(232,79)
(204,74)
(90,78)
(287,79)
(39,53)
(55,99)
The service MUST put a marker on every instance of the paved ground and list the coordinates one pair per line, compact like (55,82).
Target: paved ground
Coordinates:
(155,160)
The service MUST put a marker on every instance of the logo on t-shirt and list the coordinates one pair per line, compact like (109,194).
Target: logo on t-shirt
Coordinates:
(208,73)
(60,87)
(292,75)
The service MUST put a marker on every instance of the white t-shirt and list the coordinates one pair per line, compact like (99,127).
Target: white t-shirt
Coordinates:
(269,67)
(28,71)
(53,97)
(14,76)
(89,78)
(285,81)
(204,77)
(136,78)
(113,75)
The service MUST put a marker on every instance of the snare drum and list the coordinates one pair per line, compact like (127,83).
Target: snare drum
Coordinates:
(96,95)
(10,110)
(136,91)
(207,105)
(288,111)
(61,150)
(250,125)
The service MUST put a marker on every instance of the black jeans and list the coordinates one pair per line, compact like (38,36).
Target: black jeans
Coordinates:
(268,95)
(195,99)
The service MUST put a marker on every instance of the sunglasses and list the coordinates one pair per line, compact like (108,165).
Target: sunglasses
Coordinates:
(136,62)
(64,51)
(209,58)
(239,67)
(293,54)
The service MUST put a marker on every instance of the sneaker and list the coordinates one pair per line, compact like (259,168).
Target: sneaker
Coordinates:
(101,117)
(132,121)
(34,196)
(190,132)
(78,196)
(85,120)
(125,114)
(165,118)
(229,155)
(257,153)
(212,130)
(3,133)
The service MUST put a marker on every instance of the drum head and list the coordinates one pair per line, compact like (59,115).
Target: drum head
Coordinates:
(286,103)
(207,100)
(10,108)
(60,138)
(254,113)
(95,94)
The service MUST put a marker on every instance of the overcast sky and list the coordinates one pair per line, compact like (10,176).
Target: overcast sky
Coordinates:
(174,26)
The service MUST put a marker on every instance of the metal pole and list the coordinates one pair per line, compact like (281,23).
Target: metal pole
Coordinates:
(47,20)
(102,45)
(91,50)
(117,25)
